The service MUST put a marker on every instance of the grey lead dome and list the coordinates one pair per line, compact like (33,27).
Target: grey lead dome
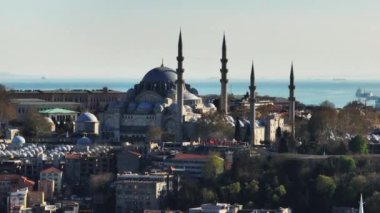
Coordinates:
(160,74)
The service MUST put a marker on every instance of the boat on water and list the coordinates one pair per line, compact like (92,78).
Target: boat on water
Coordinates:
(363,94)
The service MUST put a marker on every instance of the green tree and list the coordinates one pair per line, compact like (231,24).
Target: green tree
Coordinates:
(213,167)
(358,145)
(231,192)
(208,196)
(373,203)
(359,183)
(345,164)
(250,190)
(325,186)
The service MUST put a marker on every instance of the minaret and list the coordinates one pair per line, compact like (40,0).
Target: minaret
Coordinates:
(223,93)
(292,101)
(252,108)
(361,204)
(180,82)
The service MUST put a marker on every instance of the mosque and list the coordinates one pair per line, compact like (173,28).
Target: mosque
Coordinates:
(162,99)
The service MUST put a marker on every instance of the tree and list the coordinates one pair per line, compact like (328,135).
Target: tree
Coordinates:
(208,196)
(212,125)
(322,123)
(231,192)
(213,167)
(35,124)
(248,134)
(251,190)
(358,145)
(373,203)
(237,129)
(345,164)
(7,111)
(154,134)
(325,186)
(283,143)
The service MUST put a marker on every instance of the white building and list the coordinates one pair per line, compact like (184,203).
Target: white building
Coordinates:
(216,208)
(18,200)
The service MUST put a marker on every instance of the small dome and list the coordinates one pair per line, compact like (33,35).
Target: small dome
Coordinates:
(84,141)
(160,74)
(132,107)
(210,105)
(18,141)
(87,117)
(49,120)
(190,96)
(144,107)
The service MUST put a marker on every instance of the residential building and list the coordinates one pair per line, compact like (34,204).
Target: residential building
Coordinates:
(191,164)
(35,198)
(11,183)
(137,192)
(18,200)
(24,106)
(52,174)
(86,99)
(46,186)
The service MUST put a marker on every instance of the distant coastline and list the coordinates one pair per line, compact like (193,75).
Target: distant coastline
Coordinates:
(311,92)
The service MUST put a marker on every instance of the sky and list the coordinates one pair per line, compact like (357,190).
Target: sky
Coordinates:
(123,39)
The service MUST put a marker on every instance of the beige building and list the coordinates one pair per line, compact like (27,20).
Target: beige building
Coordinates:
(46,186)
(35,198)
(52,174)
(135,192)
(85,99)
(24,106)
(272,122)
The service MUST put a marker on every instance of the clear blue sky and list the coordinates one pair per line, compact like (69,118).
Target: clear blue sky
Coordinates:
(124,39)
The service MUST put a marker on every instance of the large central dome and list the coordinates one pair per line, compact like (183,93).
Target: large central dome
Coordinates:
(160,74)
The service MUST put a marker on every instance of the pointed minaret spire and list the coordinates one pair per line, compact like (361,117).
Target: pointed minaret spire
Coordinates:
(223,107)
(252,108)
(252,75)
(291,75)
(361,204)
(162,62)
(292,101)
(180,43)
(224,47)
(180,83)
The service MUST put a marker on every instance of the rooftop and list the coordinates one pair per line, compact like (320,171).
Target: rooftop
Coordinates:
(51,170)
(57,111)
(190,157)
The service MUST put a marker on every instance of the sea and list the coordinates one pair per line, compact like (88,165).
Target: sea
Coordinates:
(310,92)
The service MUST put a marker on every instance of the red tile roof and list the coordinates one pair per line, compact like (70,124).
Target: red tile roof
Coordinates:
(190,157)
(135,153)
(21,180)
(51,170)
(72,156)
